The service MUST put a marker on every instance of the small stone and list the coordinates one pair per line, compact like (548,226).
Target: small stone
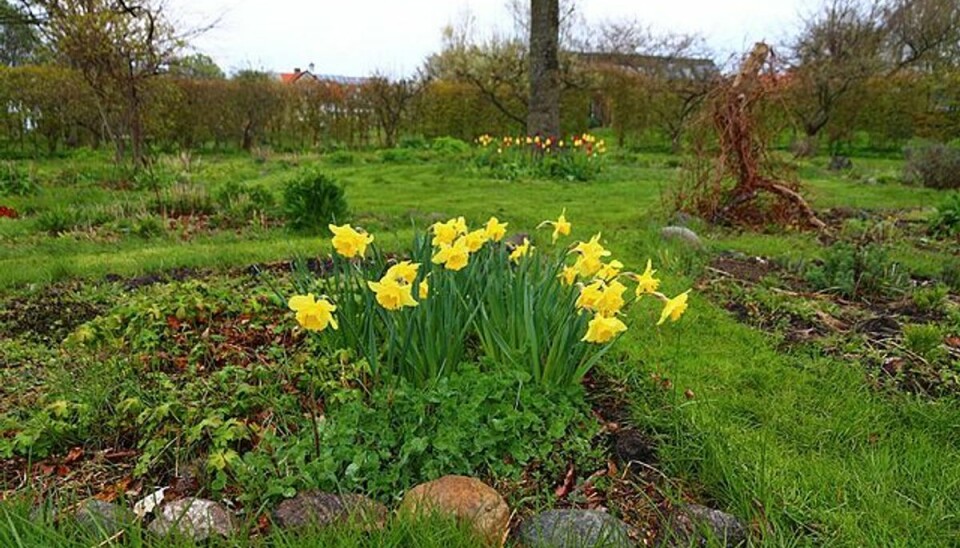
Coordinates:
(319,509)
(466,498)
(684,234)
(103,517)
(195,519)
(574,528)
(688,524)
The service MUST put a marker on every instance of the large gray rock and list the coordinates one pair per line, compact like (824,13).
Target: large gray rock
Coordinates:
(695,525)
(195,519)
(574,529)
(319,509)
(682,234)
(102,517)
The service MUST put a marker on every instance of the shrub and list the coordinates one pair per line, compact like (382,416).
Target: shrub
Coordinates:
(934,166)
(945,222)
(240,203)
(857,271)
(313,200)
(449,146)
(16,181)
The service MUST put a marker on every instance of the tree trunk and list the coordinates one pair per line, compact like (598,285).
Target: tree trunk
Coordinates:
(543,115)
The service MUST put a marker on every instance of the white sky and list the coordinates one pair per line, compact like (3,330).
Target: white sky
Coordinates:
(356,37)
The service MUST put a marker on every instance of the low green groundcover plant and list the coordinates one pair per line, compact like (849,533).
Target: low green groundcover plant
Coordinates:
(469,423)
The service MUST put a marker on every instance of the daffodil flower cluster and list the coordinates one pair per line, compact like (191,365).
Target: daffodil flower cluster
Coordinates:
(585,143)
(460,283)
(602,292)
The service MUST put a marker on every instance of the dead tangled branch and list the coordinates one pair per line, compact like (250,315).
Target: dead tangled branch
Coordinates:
(735,181)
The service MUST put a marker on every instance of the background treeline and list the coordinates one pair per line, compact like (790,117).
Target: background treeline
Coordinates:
(860,73)
(50,108)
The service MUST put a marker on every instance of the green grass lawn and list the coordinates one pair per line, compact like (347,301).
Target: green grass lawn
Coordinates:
(793,441)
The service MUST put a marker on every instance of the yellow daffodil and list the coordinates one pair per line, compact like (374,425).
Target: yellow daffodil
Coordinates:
(393,295)
(593,248)
(349,242)
(611,299)
(446,233)
(646,283)
(603,329)
(587,266)
(590,295)
(453,257)
(560,227)
(313,314)
(674,308)
(610,270)
(404,271)
(424,290)
(568,275)
(521,251)
(495,229)
(476,239)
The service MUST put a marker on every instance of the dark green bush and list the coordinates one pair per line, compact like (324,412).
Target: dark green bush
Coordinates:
(945,222)
(313,200)
(934,165)
(449,146)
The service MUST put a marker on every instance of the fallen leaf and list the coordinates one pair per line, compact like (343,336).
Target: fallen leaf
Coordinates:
(74,455)
(567,485)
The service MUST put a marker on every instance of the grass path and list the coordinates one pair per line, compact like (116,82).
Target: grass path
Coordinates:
(794,441)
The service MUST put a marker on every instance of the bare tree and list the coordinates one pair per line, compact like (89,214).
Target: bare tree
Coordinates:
(119,46)
(922,32)
(838,49)
(674,71)
(390,101)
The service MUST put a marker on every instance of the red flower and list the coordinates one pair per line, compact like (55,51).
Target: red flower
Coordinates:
(8,212)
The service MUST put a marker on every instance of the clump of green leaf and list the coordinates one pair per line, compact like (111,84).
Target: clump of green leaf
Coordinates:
(16,181)
(857,271)
(945,221)
(312,200)
(449,146)
(931,299)
(240,203)
(924,340)
(469,422)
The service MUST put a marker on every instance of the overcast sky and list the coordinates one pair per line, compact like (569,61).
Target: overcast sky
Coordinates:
(356,37)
